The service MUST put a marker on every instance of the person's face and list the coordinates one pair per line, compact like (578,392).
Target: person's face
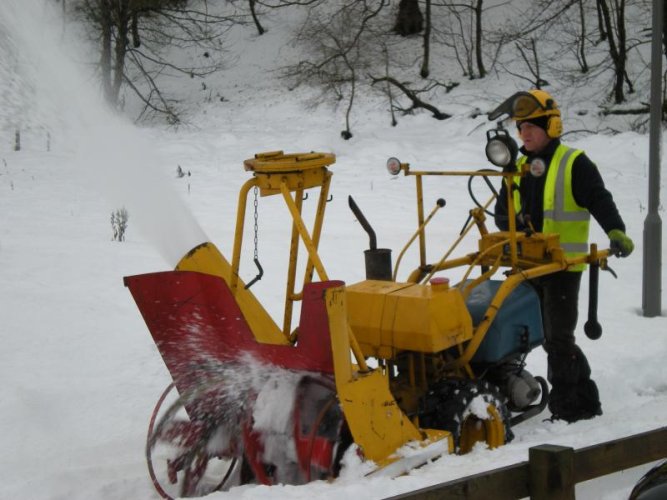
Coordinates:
(534,138)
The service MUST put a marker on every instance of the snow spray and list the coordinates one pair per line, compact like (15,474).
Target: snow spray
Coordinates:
(43,83)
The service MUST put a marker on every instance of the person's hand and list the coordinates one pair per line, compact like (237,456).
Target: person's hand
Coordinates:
(620,243)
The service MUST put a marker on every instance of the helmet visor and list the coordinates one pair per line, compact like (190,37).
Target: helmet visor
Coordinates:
(519,106)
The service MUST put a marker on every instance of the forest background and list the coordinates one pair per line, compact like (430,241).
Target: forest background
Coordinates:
(165,60)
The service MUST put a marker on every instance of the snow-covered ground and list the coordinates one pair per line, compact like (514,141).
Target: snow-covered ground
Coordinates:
(79,372)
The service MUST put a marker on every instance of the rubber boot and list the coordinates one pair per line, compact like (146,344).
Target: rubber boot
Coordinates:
(574,395)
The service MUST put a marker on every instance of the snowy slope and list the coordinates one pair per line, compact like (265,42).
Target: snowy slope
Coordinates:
(80,374)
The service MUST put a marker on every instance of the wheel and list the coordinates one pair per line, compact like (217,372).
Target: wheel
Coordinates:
(320,433)
(473,411)
(188,448)
(310,446)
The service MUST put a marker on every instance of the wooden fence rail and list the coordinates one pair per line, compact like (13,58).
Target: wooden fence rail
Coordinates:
(551,471)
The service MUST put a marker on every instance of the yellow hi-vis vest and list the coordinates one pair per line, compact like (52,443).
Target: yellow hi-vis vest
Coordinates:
(562,214)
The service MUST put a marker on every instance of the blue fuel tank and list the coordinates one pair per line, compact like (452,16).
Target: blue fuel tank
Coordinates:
(517,328)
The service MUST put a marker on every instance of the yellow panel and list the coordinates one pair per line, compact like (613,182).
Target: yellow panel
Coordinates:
(365,305)
(388,317)
(376,422)
(277,161)
(430,322)
(269,184)
(207,259)
(340,340)
(538,247)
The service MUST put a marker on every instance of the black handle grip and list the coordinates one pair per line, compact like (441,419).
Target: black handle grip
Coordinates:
(592,328)
(260,273)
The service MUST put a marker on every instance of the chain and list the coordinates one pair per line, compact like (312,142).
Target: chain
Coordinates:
(256,224)
(260,272)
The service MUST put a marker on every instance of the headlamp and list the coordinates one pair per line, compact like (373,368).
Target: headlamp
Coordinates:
(501,149)
(394,166)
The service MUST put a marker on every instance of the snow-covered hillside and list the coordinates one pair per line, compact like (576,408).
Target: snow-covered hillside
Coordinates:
(80,374)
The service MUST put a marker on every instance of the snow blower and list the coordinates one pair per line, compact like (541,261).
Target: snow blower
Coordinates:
(387,372)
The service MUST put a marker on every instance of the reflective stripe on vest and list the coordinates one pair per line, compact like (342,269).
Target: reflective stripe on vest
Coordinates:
(562,214)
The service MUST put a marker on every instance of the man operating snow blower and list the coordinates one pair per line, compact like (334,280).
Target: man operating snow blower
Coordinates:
(562,191)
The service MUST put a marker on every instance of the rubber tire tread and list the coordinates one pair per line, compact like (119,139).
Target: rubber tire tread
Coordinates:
(445,404)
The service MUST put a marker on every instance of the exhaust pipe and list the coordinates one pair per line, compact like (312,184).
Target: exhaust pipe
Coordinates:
(378,260)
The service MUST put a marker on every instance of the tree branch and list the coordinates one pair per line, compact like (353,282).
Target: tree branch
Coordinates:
(412,95)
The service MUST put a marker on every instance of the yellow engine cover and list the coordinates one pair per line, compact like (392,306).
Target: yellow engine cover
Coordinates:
(388,317)
(537,248)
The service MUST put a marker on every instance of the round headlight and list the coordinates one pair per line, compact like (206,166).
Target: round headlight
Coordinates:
(498,152)
(393,166)
(501,149)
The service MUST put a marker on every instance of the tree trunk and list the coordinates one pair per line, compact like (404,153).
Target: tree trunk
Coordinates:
(664,30)
(478,39)
(427,42)
(582,41)
(258,25)
(622,49)
(105,56)
(409,20)
(617,52)
(122,22)
(347,133)
(136,39)
(601,24)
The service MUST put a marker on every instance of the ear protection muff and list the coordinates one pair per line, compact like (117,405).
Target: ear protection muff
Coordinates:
(554,123)
(554,126)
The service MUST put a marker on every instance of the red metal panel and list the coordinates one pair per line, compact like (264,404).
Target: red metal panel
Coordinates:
(197,325)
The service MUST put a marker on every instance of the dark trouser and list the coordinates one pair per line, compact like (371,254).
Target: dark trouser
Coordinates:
(574,395)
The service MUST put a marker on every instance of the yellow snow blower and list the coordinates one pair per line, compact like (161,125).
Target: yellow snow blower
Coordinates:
(396,372)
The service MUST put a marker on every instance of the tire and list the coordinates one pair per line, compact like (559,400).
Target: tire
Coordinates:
(473,411)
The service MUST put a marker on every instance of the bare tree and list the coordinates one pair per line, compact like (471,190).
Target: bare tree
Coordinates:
(581,52)
(613,16)
(388,91)
(425,71)
(531,58)
(664,30)
(133,35)
(477,9)
(464,34)
(601,24)
(253,11)
(569,33)
(341,45)
(413,95)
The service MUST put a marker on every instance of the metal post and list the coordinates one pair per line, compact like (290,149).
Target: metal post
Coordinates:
(651,284)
